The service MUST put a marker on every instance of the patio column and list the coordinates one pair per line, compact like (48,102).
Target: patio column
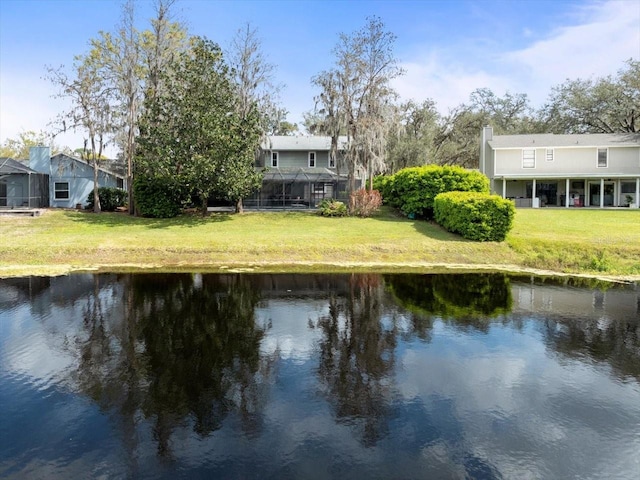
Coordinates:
(533,194)
(637,202)
(504,187)
(602,193)
(566,193)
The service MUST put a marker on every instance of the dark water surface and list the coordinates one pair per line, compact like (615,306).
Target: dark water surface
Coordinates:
(318,376)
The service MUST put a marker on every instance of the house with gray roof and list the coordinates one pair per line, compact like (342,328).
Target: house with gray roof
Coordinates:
(581,170)
(299,172)
(60,180)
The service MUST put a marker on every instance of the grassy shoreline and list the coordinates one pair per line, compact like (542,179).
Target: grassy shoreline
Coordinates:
(577,242)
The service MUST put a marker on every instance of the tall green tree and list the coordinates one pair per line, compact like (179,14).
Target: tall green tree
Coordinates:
(256,91)
(328,117)
(120,57)
(365,64)
(130,61)
(604,105)
(193,132)
(254,79)
(91,109)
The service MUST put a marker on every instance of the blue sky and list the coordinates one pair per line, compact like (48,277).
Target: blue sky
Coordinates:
(447,48)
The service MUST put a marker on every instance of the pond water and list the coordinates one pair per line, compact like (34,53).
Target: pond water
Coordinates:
(318,376)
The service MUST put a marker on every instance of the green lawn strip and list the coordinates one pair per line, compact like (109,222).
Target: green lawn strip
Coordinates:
(572,241)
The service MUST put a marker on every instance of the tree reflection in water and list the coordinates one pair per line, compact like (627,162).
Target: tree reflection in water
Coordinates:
(357,357)
(181,351)
(464,300)
(187,350)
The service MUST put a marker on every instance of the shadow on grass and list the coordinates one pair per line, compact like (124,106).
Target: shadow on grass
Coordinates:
(110,219)
(425,227)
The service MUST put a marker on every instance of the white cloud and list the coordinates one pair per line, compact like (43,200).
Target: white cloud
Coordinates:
(595,48)
(604,35)
(448,84)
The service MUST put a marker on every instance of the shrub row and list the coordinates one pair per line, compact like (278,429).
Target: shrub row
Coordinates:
(413,190)
(110,198)
(157,197)
(475,216)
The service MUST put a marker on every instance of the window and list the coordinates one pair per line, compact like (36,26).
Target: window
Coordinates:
(628,187)
(529,158)
(603,154)
(61,190)
(549,155)
(312,159)
(274,159)
(332,161)
(120,183)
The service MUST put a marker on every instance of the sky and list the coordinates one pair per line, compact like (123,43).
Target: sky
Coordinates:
(446,48)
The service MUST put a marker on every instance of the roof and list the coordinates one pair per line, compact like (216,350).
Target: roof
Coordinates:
(80,160)
(576,140)
(9,166)
(310,143)
(301,174)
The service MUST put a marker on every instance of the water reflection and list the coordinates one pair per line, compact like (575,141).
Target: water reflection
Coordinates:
(357,357)
(294,376)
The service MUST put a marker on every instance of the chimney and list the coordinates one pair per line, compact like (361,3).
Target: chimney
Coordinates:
(40,159)
(487,133)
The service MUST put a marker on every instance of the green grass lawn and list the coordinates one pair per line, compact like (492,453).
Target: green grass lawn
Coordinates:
(572,241)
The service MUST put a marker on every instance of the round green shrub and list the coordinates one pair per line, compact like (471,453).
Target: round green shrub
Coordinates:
(414,189)
(475,216)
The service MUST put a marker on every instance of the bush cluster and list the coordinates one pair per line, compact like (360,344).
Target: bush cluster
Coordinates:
(384,184)
(110,198)
(475,216)
(332,208)
(157,197)
(365,203)
(413,190)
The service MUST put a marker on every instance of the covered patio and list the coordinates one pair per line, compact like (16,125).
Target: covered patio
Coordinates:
(584,191)
(297,188)
(22,187)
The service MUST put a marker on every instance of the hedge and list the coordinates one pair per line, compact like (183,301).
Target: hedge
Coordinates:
(110,198)
(414,189)
(157,197)
(475,216)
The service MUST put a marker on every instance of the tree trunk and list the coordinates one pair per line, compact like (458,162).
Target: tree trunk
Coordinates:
(203,207)
(132,210)
(239,206)
(96,197)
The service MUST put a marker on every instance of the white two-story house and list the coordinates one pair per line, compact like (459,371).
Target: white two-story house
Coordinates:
(588,170)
